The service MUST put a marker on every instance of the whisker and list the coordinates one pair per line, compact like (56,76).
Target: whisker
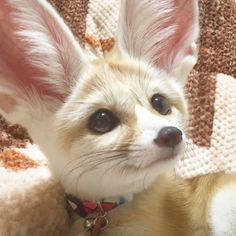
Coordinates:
(116,156)
(123,148)
(91,167)
(123,160)
(91,160)
(104,151)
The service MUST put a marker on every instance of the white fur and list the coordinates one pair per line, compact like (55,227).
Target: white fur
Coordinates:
(223,211)
(149,125)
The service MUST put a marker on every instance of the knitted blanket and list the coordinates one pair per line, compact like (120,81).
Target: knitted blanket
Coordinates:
(32,201)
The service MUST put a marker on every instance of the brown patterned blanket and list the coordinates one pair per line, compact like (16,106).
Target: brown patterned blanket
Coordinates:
(32,202)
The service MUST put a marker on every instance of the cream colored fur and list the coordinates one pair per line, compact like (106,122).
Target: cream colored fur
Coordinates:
(50,85)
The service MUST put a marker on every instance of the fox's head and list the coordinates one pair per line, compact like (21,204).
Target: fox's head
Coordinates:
(108,126)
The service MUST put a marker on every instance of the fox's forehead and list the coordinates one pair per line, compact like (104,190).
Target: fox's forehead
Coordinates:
(125,69)
(126,81)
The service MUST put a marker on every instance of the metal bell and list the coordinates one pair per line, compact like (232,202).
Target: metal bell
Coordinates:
(88,223)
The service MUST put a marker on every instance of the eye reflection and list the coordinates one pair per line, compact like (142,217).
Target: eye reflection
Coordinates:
(161,104)
(102,121)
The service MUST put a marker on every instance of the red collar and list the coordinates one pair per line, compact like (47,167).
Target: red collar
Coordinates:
(84,208)
(95,213)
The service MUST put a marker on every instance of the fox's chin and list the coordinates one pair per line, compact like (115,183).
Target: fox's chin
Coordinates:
(119,184)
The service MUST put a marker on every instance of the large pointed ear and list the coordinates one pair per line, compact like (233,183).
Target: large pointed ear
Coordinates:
(162,32)
(39,57)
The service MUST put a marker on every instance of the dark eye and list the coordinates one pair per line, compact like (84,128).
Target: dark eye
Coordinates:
(161,104)
(102,121)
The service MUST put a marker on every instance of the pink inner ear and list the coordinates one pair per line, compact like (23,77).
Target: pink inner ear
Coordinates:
(178,44)
(13,62)
(45,65)
(14,67)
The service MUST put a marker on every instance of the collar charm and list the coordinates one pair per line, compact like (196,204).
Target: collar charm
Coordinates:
(95,213)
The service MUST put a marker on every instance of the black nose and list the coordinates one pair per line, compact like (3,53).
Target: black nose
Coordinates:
(168,137)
